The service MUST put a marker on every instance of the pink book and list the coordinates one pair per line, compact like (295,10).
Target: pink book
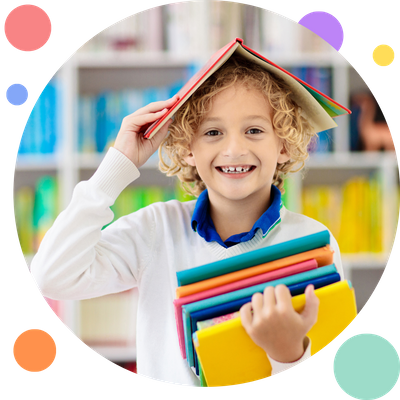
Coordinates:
(230,287)
(217,320)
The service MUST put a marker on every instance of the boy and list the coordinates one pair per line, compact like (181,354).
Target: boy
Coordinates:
(232,143)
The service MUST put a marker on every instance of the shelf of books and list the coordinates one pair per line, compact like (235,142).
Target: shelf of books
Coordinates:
(350,182)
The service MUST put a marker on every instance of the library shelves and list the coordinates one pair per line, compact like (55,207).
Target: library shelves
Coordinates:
(90,73)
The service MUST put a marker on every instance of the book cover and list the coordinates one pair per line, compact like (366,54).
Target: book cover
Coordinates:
(228,356)
(318,108)
(217,320)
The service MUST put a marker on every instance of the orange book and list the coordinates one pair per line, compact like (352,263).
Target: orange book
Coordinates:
(323,256)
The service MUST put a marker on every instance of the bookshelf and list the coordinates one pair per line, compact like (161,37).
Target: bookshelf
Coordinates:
(168,56)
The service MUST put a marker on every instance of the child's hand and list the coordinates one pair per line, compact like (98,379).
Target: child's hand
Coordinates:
(275,326)
(130,141)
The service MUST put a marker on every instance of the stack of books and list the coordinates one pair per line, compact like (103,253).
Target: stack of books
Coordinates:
(209,297)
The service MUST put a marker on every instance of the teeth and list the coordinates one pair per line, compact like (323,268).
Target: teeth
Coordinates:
(234,170)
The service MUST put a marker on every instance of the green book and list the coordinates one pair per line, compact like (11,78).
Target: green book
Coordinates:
(252,258)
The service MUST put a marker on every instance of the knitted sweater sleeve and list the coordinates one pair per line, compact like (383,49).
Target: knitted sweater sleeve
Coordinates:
(77,259)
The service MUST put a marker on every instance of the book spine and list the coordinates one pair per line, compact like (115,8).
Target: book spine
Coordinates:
(41,129)
(352,212)
(320,79)
(23,205)
(100,116)
(256,257)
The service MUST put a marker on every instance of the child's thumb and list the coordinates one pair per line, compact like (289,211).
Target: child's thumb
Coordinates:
(310,311)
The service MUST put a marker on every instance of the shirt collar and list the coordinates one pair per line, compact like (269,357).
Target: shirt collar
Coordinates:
(204,226)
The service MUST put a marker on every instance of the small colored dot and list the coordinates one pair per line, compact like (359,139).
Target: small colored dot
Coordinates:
(34,350)
(326,26)
(27,28)
(17,94)
(383,55)
(366,367)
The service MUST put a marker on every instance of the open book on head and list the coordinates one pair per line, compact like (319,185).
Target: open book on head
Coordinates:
(317,108)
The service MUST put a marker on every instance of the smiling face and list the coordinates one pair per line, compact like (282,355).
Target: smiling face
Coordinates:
(235,149)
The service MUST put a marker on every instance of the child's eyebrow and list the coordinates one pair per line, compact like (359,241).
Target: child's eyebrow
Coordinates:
(211,119)
(217,119)
(259,117)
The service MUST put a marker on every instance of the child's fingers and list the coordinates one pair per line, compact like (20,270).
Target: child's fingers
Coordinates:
(156,106)
(310,311)
(246,316)
(269,297)
(257,303)
(161,134)
(138,121)
(283,297)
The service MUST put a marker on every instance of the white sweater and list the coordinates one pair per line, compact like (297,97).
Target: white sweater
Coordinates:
(78,260)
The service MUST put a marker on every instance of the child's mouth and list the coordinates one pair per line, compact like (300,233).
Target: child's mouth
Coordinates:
(236,172)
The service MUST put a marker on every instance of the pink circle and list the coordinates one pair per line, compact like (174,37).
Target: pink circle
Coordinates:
(27,28)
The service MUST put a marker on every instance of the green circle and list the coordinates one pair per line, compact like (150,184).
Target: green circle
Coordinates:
(366,366)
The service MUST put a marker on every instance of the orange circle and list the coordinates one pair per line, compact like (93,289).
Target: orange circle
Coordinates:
(34,350)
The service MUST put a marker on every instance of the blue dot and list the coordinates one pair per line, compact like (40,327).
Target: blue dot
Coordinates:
(366,365)
(17,94)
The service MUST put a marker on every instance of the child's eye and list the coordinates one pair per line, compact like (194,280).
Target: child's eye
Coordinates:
(254,131)
(213,133)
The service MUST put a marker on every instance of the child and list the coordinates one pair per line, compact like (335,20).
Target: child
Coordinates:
(231,144)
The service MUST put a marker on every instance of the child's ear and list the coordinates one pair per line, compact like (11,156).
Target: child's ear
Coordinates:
(190,160)
(283,154)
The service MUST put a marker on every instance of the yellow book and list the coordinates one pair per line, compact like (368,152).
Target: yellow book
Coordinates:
(376,216)
(228,356)
(348,219)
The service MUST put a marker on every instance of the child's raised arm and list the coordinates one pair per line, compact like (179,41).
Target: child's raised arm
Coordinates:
(77,258)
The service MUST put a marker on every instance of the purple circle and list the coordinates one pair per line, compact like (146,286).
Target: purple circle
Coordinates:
(326,26)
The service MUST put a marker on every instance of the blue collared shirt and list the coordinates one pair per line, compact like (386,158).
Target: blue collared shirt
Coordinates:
(204,226)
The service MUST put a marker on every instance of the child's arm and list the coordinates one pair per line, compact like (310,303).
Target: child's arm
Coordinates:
(77,259)
(276,327)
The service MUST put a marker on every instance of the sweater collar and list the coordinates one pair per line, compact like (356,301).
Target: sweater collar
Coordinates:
(204,226)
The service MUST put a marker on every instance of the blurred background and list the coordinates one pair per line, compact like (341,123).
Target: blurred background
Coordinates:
(350,183)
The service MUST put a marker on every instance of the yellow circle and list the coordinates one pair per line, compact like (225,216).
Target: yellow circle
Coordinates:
(383,55)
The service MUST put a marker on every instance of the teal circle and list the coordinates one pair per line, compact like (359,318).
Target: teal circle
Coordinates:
(366,366)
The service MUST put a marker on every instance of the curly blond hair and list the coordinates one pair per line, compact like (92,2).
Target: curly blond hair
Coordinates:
(287,122)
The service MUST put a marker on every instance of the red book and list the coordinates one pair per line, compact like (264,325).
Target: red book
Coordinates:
(318,108)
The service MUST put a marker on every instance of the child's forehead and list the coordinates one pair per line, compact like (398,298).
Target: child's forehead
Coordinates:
(239,90)
(239,95)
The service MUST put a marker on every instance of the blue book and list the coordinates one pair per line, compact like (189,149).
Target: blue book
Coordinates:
(48,117)
(101,122)
(252,258)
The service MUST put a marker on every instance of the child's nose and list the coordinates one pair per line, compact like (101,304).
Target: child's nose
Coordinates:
(235,146)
